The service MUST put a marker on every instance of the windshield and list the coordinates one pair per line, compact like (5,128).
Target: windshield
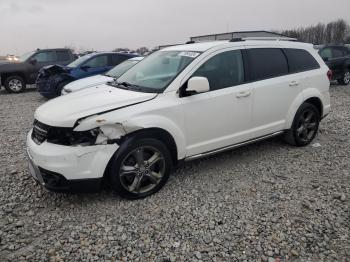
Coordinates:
(80,60)
(121,68)
(157,71)
(25,56)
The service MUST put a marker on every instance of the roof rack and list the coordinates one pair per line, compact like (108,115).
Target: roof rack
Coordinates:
(282,38)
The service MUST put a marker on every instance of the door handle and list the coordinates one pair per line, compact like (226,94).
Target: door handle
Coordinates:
(243,94)
(294,83)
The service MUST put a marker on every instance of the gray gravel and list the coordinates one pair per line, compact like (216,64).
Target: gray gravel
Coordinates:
(257,203)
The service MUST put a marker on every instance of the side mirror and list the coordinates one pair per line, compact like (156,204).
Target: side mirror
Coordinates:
(197,85)
(85,68)
(33,61)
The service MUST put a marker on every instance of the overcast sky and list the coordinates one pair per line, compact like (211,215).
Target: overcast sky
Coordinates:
(106,24)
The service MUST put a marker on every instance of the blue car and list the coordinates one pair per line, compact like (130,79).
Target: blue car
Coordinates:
(53,78)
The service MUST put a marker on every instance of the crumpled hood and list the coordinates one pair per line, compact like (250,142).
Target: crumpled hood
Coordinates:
(53,69)
(87,82)
(64,111)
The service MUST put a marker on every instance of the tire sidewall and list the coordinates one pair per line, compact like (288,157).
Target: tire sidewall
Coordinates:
(300,111)
(7,81)
(126,147)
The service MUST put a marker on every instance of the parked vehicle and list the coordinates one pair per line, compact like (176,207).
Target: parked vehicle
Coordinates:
(337,57)
(52,79)
(180,103)
(101,79)
(16,74)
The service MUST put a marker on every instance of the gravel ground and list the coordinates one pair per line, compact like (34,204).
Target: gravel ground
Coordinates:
(257,203)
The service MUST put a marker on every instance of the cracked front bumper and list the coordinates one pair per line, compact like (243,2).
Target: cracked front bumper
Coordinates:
(62,166)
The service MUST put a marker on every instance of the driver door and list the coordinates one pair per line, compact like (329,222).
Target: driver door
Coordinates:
(94,66)
(39,60)
(222,116)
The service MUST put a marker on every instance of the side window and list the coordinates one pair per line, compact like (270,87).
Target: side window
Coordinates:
(337,52)
(300,60)
(44,56)
(326,53)
(266,63)
(98,61)
(223,70)
(62,55)
(117,59)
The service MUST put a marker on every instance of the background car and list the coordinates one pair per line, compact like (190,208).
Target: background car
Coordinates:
(337,57)
(16,74)
(101,79)
(52,79)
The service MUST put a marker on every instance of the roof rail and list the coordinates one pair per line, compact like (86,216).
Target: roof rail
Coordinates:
(282,38)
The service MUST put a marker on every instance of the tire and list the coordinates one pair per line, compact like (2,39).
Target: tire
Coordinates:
(15,84)
(305,126)
(345,80)
(131,176)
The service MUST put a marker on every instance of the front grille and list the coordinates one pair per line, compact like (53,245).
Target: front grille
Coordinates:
(40,132)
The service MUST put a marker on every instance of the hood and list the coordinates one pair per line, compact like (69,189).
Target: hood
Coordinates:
(87,82)
(64,111)
(54,69)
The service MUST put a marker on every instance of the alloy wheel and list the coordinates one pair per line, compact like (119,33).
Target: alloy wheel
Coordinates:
(142,169)
(15,85)
(307,126)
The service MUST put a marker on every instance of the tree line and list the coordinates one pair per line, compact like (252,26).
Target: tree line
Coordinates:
(334,32)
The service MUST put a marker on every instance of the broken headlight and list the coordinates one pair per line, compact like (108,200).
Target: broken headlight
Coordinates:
(68,137)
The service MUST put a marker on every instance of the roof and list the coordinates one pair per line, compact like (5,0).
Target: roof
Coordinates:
(237,34)
(204,46)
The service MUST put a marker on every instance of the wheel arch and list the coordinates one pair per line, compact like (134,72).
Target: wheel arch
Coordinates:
(312,96)
(6,75)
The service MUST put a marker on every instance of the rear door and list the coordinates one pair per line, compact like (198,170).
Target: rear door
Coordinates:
(273,89)
(116,59)
(63,57)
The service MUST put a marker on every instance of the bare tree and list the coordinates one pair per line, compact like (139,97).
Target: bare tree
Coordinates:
(333,32)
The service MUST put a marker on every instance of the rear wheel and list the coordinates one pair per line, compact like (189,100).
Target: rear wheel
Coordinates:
(304,127)
(15,84)
(345,80)
(140,168)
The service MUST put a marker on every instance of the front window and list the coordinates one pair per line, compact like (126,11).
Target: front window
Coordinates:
(158,70)
(121,68)
(80,60)
(25,56)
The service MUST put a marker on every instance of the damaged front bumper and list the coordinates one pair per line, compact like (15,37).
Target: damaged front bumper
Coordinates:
(48,80)
(68,168)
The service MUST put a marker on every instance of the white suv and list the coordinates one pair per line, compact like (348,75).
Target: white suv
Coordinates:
(180,103)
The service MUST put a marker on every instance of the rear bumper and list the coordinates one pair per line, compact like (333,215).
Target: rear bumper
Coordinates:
(68,168)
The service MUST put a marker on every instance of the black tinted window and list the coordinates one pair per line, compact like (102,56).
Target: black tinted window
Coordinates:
(62,55)
(266,63)
(337,52)
(117,59)
(223,70)
(300,60)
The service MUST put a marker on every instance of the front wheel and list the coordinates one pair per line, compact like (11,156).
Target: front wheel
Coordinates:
(304,127)
(140,168)
(15,84)
(345,80)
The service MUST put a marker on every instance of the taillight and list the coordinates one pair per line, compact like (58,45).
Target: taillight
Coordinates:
(330,74)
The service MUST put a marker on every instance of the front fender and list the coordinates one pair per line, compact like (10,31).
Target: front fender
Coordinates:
(138,123)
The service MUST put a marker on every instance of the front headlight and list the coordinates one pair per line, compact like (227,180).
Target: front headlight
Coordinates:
(68,137)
